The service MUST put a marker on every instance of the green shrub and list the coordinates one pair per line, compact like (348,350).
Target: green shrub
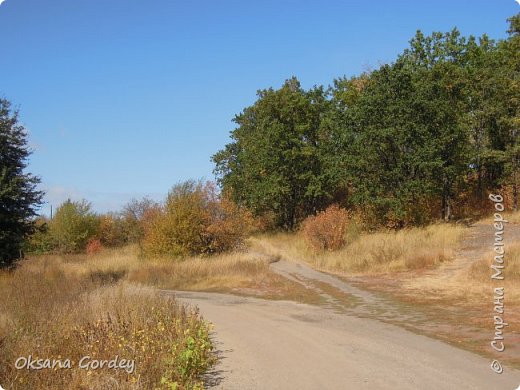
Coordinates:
(40,241)
(73,225)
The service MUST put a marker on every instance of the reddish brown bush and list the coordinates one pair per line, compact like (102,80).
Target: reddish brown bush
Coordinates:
(94,246)
(326,231)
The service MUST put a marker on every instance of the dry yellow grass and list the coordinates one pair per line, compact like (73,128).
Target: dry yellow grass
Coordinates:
(223,272)
(52,308)
(480,271)
(235,269)
(374,253)
(472,284)
(476,280)
(109,261)
(243,273)
(511,216)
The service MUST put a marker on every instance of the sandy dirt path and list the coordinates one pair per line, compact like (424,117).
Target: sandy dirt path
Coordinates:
(286,345)
(477,242)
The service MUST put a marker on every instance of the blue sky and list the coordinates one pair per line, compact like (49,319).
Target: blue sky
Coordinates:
(124,99)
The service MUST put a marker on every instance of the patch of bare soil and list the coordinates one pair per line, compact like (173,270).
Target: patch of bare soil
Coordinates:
(454,318)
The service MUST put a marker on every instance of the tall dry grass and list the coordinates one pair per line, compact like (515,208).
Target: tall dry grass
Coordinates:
(238,273)
(218,273)
(54,308)
(370,253)
(511,216)
(477,283)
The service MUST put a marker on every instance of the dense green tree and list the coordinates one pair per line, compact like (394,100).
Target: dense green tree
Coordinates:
(273,163)
(440,62)
(402,138)
(491,110)
(509,78)
(19,197)
(479,112)
(420,138)
(339,134)
(386,154)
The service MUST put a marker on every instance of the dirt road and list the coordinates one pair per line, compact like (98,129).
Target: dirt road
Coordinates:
(286,345)
(346,343)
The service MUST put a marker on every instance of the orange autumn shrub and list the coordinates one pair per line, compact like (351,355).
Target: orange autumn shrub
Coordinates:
(195,220)
(326,230)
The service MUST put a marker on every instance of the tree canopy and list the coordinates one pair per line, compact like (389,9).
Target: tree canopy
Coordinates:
(19,196)
(421,138)
(274,162)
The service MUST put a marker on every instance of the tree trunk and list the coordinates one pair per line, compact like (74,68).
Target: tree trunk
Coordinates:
(446,202)
(515,191)
(515,197)
(480,189)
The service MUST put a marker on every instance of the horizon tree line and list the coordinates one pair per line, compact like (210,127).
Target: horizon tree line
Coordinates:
(420,139)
